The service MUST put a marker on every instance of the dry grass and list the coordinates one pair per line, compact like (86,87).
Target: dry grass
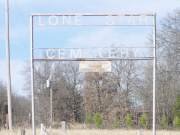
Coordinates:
(94,132)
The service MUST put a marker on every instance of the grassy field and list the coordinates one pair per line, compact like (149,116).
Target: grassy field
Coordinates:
(95,132)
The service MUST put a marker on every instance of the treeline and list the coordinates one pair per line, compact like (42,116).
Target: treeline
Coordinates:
(75,94)
(120,99)
(20,109)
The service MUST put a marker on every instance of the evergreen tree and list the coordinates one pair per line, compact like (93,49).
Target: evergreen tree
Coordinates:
(177,112)
(116,123)
(128,120)
(89,119)
(144,121)
(98,120)
(164,122)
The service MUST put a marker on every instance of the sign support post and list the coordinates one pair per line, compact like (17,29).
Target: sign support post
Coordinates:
(32,76)
(154,77)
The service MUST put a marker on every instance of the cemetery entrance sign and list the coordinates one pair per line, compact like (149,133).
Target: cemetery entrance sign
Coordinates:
(93,59)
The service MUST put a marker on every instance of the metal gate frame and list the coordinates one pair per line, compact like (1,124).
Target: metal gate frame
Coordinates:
(84,59)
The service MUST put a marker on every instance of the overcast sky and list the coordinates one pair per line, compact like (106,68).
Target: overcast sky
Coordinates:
(20,10)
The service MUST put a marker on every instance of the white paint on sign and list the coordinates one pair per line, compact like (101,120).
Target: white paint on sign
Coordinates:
(61,53)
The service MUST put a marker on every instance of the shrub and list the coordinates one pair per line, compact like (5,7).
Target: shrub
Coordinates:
(144,121)
(128,120)
(98,120)
(177,122)
(164,122)
(116,123)
(89,119)
(177,112)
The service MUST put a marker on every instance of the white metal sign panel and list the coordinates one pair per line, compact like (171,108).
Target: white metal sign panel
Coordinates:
(95,66)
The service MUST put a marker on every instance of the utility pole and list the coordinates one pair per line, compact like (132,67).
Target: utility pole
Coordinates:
(48,83)
(51,104)
(8,64)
